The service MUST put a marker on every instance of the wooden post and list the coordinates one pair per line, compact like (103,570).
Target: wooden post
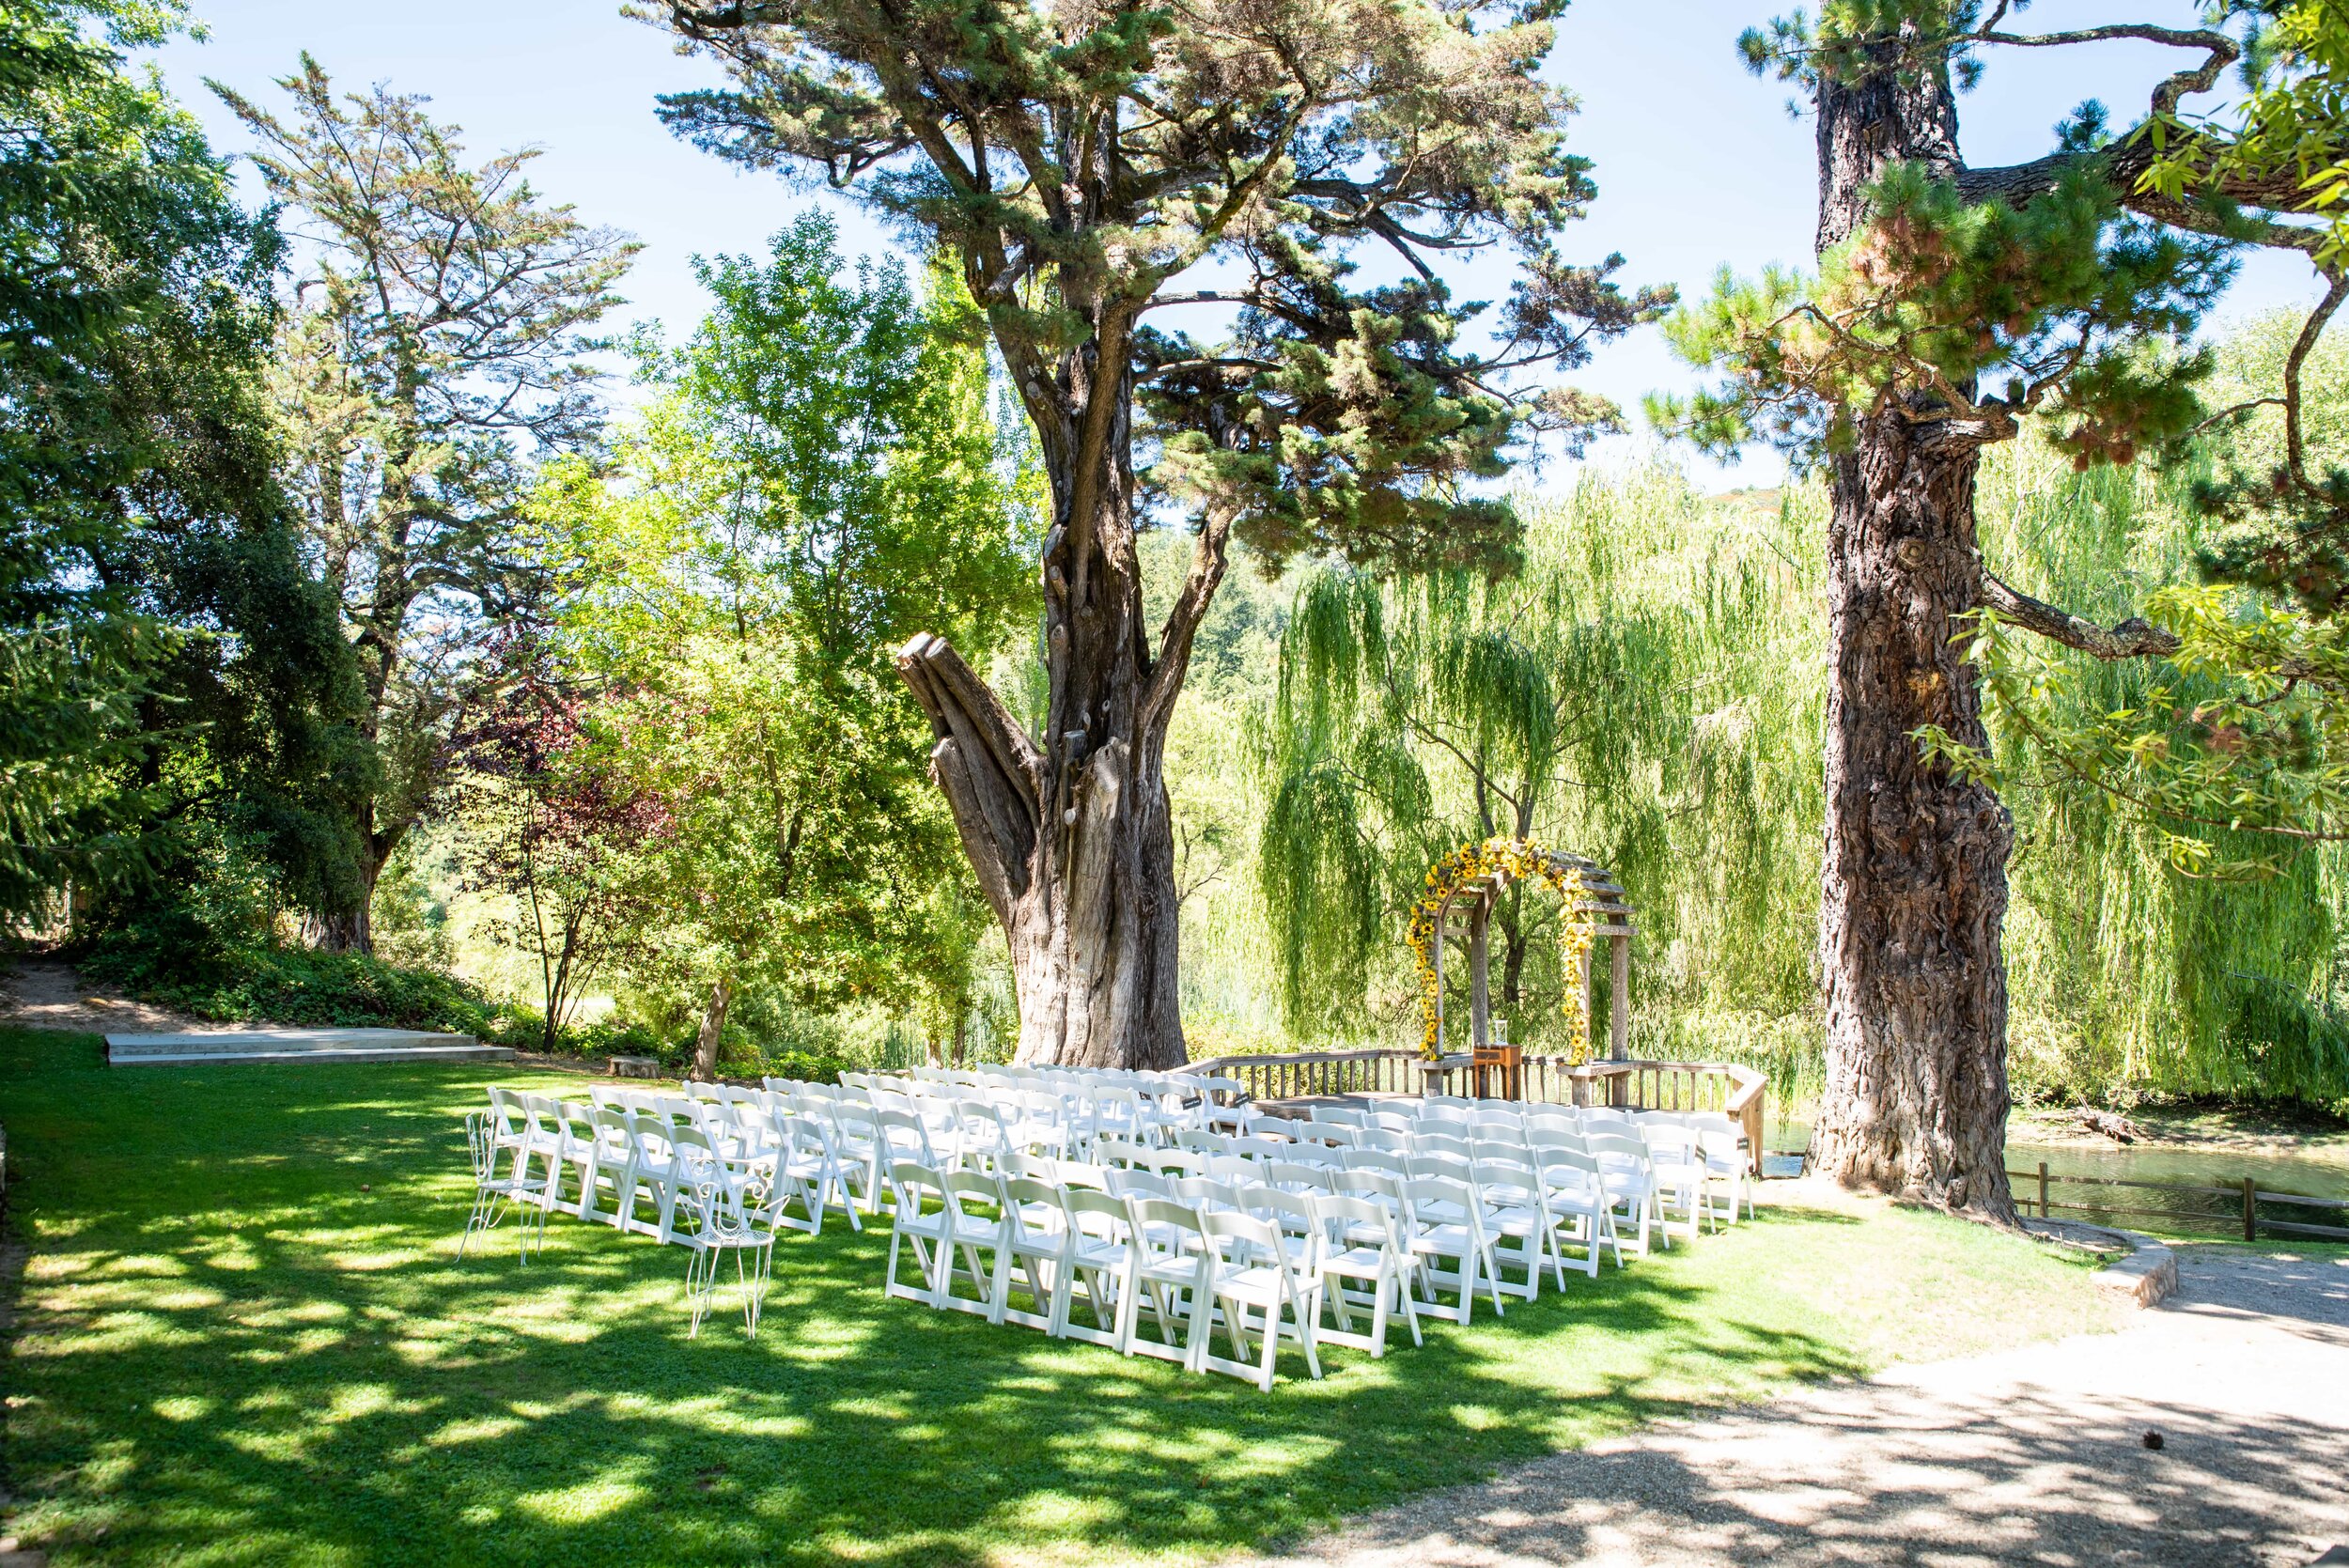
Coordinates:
(1426,1078)
(2043,1189)
(1619,999)
(1590,990)
(2250,1210)
(1480,989)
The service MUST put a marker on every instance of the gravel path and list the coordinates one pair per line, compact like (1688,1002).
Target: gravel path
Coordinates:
(2034,1455)
(46,993)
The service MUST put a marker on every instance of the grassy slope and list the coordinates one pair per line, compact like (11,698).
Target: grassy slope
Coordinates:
(243,1337)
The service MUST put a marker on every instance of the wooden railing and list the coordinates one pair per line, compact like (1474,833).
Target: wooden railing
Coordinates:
(2238,1203)
(1299,1075)
(1736,1091)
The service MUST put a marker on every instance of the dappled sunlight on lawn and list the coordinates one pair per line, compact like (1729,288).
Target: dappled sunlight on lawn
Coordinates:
(307,1374)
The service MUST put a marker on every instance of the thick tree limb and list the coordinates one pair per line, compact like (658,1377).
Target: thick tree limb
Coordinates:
(992,774)
(1207,564)
(2134,638)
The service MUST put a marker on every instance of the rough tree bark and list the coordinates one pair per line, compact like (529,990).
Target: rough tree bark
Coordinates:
(1071,835)
(1914,890)
(713,1030)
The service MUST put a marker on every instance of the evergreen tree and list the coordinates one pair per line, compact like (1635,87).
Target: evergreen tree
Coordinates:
(166,661)
(1950,305)
(1089,168)
(433,347)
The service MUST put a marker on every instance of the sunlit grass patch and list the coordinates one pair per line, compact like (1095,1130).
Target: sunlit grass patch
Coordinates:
(257,1363)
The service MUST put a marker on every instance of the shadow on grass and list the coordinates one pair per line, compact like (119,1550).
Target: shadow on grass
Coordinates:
(228,1352)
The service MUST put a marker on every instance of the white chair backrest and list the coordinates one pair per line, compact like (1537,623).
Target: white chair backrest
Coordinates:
(1147,1183)
(1376,1159)
(1456,1167)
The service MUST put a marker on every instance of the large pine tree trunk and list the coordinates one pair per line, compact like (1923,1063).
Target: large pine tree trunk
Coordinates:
(1915,891)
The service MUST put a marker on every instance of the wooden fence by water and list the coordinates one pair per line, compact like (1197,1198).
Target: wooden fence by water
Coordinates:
(2233,1208)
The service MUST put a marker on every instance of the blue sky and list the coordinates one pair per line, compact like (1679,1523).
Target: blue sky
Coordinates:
(1698,162)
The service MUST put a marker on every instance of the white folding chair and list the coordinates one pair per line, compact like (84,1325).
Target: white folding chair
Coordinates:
(493,1193)
(1101,1262)
(1361,1242)
(1173,1267)
(1676,1166)
(1252,1269)
(729,1218)
(1629,1183)
(1576,1192)
(1435,1236)
(1517,1220)
(1727,1160)
(1037,1246)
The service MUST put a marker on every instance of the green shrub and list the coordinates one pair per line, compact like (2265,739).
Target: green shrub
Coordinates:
(612,1037)
(175,959)
(808,1067)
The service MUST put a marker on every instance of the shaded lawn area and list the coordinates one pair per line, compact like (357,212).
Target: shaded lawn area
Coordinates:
(243,1337)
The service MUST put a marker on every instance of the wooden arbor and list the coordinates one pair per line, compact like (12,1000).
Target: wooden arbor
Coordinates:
(1465,910)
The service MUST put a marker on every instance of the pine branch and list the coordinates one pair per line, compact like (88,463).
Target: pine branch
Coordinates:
(2134,638)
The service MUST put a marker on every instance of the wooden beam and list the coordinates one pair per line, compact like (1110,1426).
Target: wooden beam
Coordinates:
(1619,998)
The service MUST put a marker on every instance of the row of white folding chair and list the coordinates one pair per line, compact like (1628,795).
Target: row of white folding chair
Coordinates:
(1569,1196)
(1580,1184)
(1075,1113)
(700,1199)
(1262,1268)
(750,1132)
(1653,1156)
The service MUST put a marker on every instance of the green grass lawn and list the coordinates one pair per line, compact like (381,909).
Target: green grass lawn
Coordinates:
(243,1336)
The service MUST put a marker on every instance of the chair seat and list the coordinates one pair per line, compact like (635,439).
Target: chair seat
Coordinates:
(1261,1284)
(1363,1263)
(1448,1241)
(1513,1222)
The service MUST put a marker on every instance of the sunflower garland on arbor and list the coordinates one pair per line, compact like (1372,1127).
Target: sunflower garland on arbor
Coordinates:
(1517,857)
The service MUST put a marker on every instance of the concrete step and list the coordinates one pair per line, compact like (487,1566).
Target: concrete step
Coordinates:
(299,1045)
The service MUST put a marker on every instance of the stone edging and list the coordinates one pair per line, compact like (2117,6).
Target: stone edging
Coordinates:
(2146,1272)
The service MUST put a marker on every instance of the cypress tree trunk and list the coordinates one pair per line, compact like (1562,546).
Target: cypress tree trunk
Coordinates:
(352,929)
(1915,891)
(1075,848)
(1071,835)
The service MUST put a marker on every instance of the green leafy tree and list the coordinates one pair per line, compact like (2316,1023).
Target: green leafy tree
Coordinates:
(434,346)
(1088,167)
(1626,695)
(1950,305)
(168,664)
(821,474)
(568,845)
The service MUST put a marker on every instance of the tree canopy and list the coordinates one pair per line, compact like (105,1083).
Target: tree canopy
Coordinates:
(820,473)
(169,665)
(434,344)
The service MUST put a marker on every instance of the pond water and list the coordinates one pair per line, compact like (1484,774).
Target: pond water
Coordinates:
(2319,1169)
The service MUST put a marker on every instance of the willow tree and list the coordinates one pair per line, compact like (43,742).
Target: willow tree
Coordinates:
(1952,305)
(1413,717)
(1090,167)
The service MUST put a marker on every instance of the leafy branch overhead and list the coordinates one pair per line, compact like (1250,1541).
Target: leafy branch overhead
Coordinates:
(1078,161)
(2244,734)
(2067,292)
